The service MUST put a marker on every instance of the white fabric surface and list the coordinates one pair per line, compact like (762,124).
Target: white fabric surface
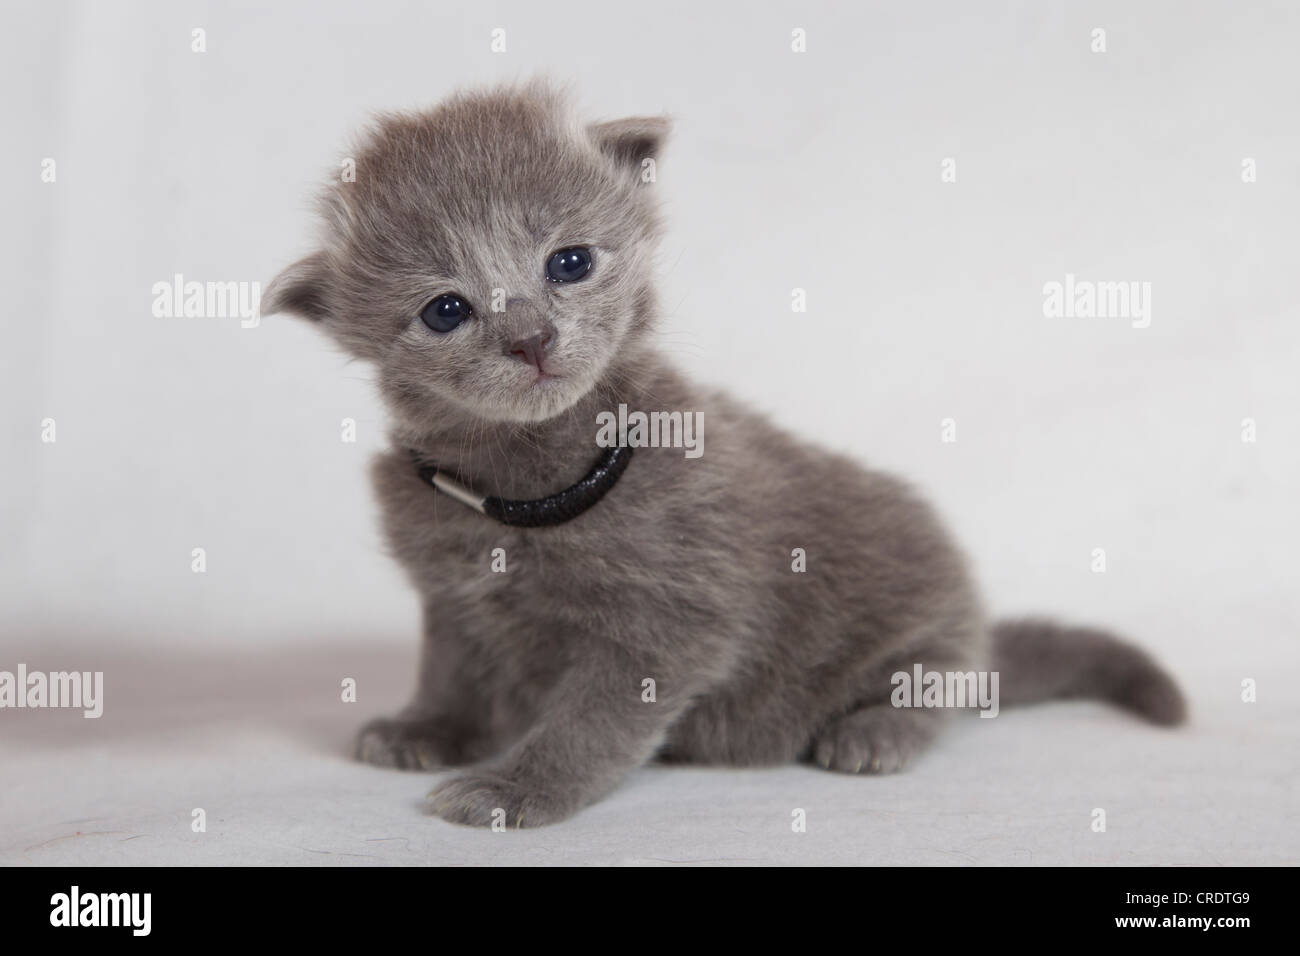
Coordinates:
(258,743)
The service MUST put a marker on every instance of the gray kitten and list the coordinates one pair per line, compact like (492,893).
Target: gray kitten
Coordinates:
(494,260)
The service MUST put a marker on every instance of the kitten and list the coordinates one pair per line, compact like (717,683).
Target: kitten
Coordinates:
(493,259)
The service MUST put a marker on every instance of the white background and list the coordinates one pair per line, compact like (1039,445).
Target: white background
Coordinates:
(818,170)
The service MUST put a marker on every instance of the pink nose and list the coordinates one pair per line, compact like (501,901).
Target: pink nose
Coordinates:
(531,349)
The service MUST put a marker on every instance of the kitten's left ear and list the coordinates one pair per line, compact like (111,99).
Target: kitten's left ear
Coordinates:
(300,289)
(633,140)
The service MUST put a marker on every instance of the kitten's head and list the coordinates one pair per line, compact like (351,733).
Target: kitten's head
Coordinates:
(492,256)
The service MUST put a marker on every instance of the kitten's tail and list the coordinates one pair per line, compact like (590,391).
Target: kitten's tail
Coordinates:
(1038,659)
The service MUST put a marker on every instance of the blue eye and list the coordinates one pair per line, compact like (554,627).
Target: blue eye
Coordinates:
(569,265)
(446,312)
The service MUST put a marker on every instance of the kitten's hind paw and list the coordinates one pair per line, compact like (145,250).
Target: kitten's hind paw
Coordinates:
(875,739)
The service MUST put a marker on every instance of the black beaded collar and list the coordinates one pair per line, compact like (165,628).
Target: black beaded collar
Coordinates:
(540,512)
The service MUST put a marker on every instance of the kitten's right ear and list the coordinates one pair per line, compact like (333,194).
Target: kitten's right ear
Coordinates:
(631,141)
(300,289)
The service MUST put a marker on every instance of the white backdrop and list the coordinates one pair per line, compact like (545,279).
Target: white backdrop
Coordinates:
(817,170)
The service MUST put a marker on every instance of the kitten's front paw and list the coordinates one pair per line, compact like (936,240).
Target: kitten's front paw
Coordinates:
(405,744)
(480,799)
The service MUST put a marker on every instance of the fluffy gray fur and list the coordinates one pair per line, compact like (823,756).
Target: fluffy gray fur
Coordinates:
(683,573)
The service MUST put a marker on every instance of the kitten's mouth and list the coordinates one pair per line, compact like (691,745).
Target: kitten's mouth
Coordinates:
(536,395)
(541,376)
